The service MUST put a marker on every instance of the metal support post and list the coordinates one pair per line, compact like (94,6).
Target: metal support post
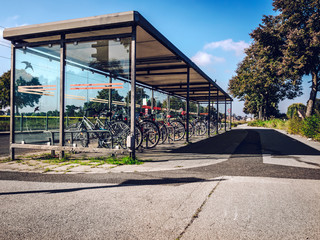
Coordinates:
(12,99)
(188,96)
(110,97)
(47,122)
(225,114)
(21,122)
(62,92)
(217,122)
(230,114)
(168,103)
(152,99)
(133,91)
(198,109)
(209,109)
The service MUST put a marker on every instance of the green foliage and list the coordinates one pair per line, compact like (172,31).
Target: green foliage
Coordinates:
(5,90)
(4,126)
(299,30)
(93,108)
(295,126)
(272,123)
(311,126)
(293,109)
(4,123)
(25,99)
(285,48)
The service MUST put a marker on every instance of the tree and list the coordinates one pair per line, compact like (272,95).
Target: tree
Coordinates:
(5,89)
(294,109)
(26,99)
(258,81)
(299,26)
(140,95)
(95,107)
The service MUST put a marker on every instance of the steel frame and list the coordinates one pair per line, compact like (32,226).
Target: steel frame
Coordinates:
(185,64)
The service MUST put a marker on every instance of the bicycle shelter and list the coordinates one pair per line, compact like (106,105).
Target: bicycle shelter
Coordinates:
(102,62)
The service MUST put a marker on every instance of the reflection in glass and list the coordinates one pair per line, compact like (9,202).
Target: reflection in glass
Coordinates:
(37,77)
(96,90)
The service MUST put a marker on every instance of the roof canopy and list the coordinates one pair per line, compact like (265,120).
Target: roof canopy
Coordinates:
(159,64)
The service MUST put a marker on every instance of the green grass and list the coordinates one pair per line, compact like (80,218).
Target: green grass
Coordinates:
(85,161)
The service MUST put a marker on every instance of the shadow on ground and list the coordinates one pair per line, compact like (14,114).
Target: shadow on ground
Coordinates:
(129,182)
(280,144)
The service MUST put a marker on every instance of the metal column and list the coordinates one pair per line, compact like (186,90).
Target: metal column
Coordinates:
(62,93)
(168,104)
(133,92)
(209,110)
(152,98)
(225,114)
(230,114)
(12,97)
(110,97)
(217,122)
(188,88)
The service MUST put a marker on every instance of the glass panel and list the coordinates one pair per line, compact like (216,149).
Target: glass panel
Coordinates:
(160,106)
(37,84)
(97,93)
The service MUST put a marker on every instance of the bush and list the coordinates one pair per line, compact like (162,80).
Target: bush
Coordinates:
(293,109)
(4,126)
(295,126)
(311,126)
(256,123)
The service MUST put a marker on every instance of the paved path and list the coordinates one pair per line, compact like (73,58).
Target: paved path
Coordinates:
(267,188)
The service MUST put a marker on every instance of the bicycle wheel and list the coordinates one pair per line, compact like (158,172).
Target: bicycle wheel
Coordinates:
(81,135)
(212,127)
(120,132)
(124,131)
(178,130)
(191,129)
(150,134)
(163,132)
(200,128)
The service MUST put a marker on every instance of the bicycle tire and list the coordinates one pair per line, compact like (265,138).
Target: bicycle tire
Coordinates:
(150,134)
(81,135)
(163,131)
(200,128)
(178,130)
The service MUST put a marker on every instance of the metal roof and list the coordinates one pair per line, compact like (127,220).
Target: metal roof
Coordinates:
(159,64)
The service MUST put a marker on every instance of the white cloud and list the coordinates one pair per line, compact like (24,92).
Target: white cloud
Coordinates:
(203,59)
(228,45)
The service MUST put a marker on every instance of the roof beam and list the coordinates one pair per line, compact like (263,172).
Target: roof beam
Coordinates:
(180,84)
(190,89)
(163,73)
(155,68)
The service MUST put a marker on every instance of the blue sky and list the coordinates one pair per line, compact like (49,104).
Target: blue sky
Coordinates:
(212,33)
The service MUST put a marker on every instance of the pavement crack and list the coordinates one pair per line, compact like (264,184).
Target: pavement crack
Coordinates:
(197,212)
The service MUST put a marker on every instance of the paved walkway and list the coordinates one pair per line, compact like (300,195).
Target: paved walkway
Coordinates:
(267,188)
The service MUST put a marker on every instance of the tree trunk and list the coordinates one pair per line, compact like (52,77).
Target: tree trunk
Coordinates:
(313,94)
(260,113)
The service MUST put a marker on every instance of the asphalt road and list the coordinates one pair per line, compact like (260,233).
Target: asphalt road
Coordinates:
(268,189)
(4,146)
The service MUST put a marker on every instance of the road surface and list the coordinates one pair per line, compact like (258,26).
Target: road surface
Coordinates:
(269,188)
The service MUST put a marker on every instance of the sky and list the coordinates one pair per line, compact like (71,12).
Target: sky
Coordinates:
(212,33)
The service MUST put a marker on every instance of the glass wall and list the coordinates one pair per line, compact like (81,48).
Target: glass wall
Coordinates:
(96,90)
(37,93)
